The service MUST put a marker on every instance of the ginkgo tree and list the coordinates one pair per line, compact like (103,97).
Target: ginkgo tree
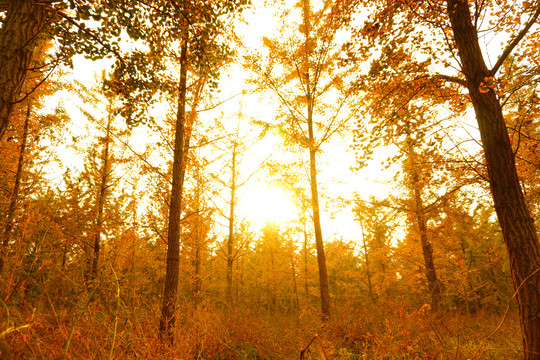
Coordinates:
(236,147)
(436,46)
(304,69)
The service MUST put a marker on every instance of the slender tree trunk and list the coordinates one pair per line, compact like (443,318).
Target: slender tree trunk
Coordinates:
(368,270)
(419,214)
(230,239)
(321,258)
(197,284)
(240,281)
(274,279)
(237,283)
(198,239)
(516,223)
(427,250)
(306,284)
(268,291)
(24,20)
(101,197)
(295,287)
(15,193)
(168,309)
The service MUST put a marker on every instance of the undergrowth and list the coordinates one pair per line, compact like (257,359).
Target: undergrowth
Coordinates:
(100,328)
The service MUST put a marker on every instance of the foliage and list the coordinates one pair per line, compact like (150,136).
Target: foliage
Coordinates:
(394,76)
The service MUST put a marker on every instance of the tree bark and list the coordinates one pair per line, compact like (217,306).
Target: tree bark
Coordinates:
(24,20)
(516,223)
(168,309)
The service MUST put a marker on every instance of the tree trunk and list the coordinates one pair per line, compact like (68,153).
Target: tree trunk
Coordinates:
(306,284)
(168,310)
(197,243)
(368,270)
(274,280)
(197,282)
(321,258)
(100,201)
(24,20)
(516,223)
(295,287)
(230,239)
(15,193)
(427,250)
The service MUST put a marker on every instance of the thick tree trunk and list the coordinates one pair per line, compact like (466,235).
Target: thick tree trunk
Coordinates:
(516,223)
(24,20)
(15,193)
(168,309)
(100,201)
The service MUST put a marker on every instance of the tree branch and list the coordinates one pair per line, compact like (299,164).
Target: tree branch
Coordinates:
(453,79)
(515,42)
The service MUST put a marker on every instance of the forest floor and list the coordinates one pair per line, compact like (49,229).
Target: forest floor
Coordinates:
(106,329)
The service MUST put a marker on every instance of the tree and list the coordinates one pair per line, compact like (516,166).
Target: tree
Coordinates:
(417,136)
(189,33)
(303,70)
(197,225)
(453,40)
(236,146)
(471,254)
(418,168)
(376,227)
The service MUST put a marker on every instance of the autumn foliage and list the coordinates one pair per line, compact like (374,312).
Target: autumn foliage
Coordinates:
(130,195)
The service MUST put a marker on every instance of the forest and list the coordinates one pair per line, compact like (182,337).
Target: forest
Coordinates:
(253,179)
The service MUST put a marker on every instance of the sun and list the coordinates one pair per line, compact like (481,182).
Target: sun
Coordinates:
(262,203)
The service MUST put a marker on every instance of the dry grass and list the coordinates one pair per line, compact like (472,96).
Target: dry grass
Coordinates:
(102,328)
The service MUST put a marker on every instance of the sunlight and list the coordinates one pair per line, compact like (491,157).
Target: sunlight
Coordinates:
(263,203)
